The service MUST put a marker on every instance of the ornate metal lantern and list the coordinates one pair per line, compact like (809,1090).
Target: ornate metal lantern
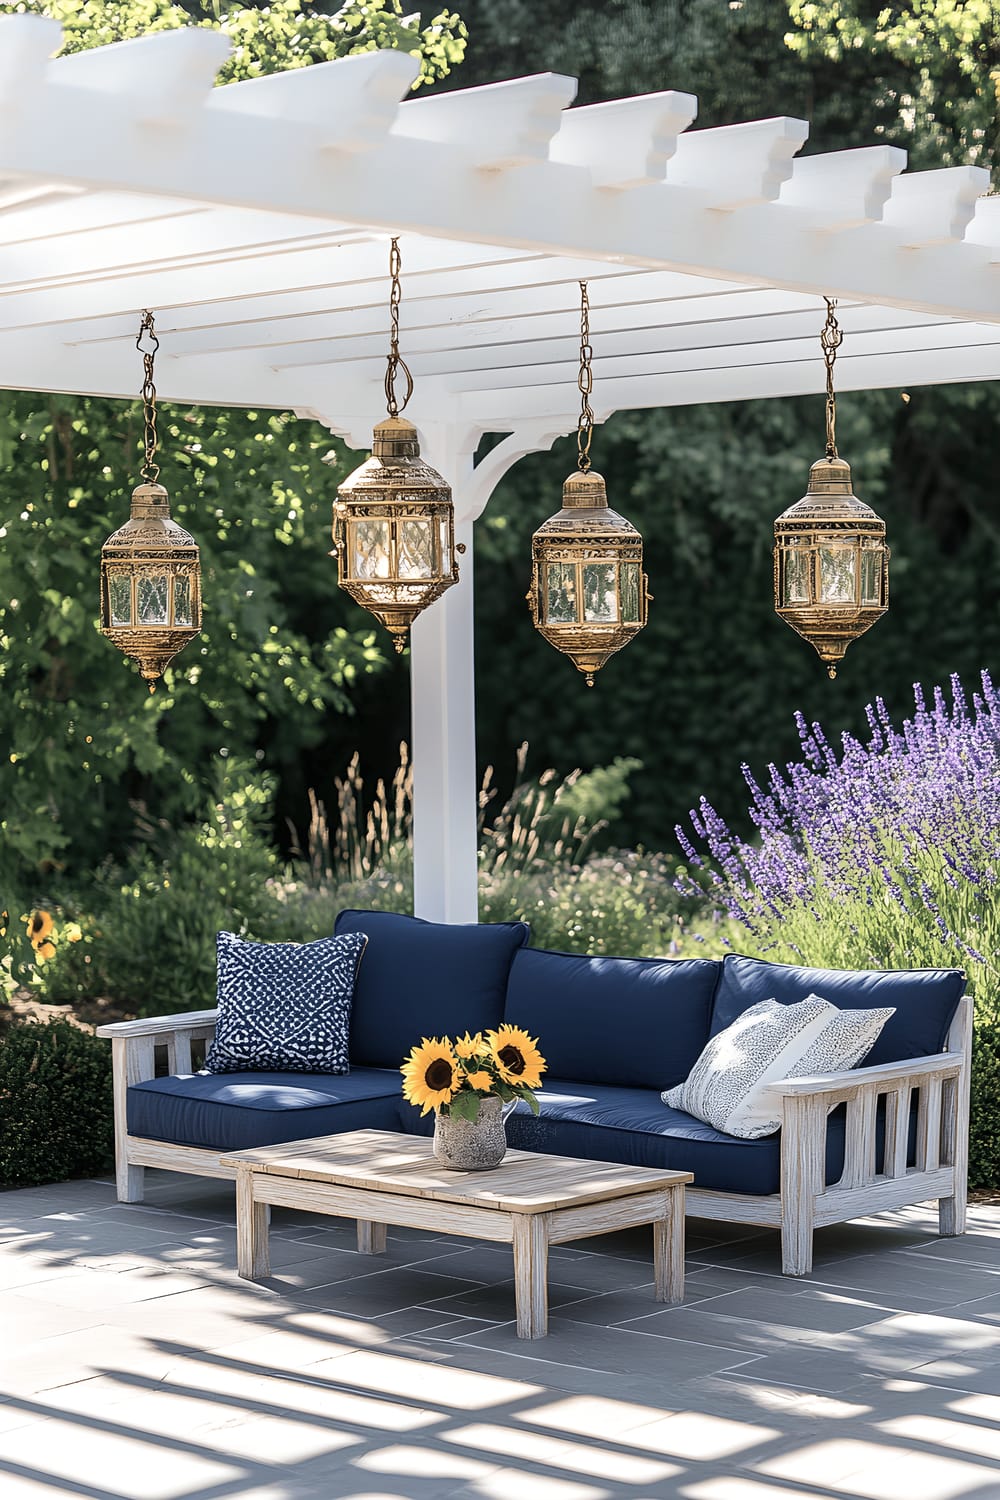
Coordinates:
(588,595)
(150,572)
(393,520)
(831,563)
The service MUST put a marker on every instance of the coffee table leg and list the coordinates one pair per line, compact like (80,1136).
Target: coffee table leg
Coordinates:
(253,1255)
(371,1238)
(531,1266)
(668,1248)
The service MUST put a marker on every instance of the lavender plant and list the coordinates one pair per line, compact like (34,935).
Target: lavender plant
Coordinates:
(884,853)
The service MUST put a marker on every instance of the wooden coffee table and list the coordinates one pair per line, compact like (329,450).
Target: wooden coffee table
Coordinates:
(530,1201)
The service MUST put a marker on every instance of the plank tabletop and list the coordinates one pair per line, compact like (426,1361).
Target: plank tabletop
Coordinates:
(383,1161)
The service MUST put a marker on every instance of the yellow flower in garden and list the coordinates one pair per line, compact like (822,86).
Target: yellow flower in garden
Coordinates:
(72,932)
(431,1075)
(40,924)
(470,1046)
(480,1080)
(3,924)
(44,951)
(517,1057)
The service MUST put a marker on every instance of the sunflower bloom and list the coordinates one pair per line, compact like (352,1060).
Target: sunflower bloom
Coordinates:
(44,951)
(516,1055)
(431,1074)
(481,1081)
(468,1046)
(40,924)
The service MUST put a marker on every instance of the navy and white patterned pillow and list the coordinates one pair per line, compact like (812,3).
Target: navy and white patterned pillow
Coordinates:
(284,1007)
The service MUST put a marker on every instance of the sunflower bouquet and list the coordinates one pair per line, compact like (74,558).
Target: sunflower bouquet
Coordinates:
(452,1077)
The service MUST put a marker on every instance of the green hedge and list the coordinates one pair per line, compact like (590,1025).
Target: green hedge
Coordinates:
(56,1115)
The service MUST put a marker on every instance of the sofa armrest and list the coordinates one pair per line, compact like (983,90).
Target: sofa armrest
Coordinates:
(162,1026)
(940,1064)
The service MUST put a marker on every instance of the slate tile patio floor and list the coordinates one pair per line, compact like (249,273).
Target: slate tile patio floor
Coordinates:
(135,1365)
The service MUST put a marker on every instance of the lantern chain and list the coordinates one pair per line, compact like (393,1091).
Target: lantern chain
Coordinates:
(830,340)
(150,469)
(394,358)
(585,381)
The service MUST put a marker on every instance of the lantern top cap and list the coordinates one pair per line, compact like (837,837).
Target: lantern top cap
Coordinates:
(150,500)
(830,476)
(585,491)
(395,437)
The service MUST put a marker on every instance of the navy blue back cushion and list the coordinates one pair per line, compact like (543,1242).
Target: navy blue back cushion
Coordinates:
(422,979)
(925,999)
(634,1022)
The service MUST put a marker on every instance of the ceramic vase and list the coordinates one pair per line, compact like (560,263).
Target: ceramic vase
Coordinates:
(472,1145)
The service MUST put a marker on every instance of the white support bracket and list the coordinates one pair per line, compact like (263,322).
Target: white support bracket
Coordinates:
(166,76)
(735,166)
(350,105)
(842,189)
(624,143)
(26,44)
(935,208)
(501,125)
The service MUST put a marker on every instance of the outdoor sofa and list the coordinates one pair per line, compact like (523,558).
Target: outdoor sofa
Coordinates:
(615,1033)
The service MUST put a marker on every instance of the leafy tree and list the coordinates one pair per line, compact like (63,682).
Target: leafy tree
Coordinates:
(283,34)
(283,651)
(934,68)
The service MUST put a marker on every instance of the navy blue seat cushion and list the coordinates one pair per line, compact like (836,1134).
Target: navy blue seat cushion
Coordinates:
(422,979)
(638,1022)
(234,1111)
(635,1127)
(925,999)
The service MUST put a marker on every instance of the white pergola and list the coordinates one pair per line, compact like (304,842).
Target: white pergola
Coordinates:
(254,220)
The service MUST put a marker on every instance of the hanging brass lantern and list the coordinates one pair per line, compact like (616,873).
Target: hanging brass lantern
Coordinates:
(150,572)
(393,519)
(588,595)
(831,563)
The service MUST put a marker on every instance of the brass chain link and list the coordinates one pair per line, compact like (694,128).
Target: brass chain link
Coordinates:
(394,358)
(150,470)
(585,427)
(830,340)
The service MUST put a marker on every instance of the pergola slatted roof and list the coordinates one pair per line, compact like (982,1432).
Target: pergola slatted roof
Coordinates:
(254,218)
(707,250)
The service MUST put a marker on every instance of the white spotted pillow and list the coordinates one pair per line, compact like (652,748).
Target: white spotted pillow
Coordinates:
(729,1085)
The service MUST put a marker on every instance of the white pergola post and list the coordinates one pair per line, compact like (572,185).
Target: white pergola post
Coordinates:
(443,687)
(443,717)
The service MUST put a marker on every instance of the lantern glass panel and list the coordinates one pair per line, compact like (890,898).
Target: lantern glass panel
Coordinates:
(837,575)
(560,601)
(630,593)
(120,591)
(871,576)
(371,549)
(600,593)
(445,546)
(796,580)
(416,549)
(182,599)
(152,592)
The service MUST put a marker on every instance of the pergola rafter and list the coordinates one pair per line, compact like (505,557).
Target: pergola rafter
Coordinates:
(253,218)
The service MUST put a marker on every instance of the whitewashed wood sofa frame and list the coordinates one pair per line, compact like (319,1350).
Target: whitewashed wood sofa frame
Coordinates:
(804,1202)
